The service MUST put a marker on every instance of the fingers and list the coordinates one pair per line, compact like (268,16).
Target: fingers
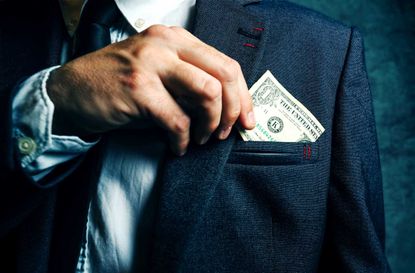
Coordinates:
(196,78)
(231,108)
(184,33)
(236,98)
(164,110)
(247,117)
(200,91)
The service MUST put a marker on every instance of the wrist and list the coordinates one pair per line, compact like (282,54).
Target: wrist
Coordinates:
(57,90)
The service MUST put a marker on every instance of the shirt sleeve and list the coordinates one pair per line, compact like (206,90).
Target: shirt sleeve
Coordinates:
(39,150)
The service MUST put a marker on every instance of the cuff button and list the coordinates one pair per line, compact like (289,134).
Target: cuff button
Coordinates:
(26,145)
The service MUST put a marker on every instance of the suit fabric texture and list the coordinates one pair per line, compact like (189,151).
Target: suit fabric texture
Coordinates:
(227,206)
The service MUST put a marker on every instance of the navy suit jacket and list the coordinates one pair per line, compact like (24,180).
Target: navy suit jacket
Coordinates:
(227,206)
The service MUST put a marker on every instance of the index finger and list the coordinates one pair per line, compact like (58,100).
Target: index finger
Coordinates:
(226,70)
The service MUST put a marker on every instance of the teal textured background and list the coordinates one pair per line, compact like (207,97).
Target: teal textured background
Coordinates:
(388,27)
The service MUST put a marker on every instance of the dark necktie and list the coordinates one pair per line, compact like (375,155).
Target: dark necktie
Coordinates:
(93,31)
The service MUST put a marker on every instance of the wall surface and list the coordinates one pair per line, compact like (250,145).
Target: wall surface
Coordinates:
(388,27)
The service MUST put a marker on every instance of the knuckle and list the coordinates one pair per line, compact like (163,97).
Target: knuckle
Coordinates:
(230,70)
(233,114)
(181,124)
(212,89)
(139,79)
(159,31)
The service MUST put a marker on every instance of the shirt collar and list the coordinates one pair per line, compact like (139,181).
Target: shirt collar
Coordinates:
(143,13)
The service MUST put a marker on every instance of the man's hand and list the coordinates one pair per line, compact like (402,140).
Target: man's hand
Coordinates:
(165,74)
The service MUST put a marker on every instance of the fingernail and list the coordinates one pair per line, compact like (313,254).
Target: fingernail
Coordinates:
(182,153)
(204,140)
(224,133)
(251,118)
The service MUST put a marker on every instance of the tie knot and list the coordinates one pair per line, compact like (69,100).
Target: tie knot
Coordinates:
(93,31)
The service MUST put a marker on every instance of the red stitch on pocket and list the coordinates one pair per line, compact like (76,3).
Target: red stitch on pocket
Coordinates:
(304,152)
(250,45)
(259,28)
(309,152)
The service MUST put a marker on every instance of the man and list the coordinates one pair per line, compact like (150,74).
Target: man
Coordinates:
(226,205)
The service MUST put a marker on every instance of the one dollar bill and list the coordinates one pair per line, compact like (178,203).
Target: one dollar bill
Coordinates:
(279,116)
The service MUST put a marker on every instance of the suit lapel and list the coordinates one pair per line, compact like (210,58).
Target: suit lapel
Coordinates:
(229,27)
(189,182)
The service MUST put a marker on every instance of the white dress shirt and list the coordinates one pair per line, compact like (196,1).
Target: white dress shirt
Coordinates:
(130,159)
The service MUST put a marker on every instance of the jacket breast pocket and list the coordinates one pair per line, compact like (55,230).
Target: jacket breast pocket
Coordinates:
(273,153)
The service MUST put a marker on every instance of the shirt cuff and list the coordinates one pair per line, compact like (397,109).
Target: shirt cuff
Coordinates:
(39,150)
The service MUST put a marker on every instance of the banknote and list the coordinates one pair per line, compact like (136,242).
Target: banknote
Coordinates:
(279,116)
